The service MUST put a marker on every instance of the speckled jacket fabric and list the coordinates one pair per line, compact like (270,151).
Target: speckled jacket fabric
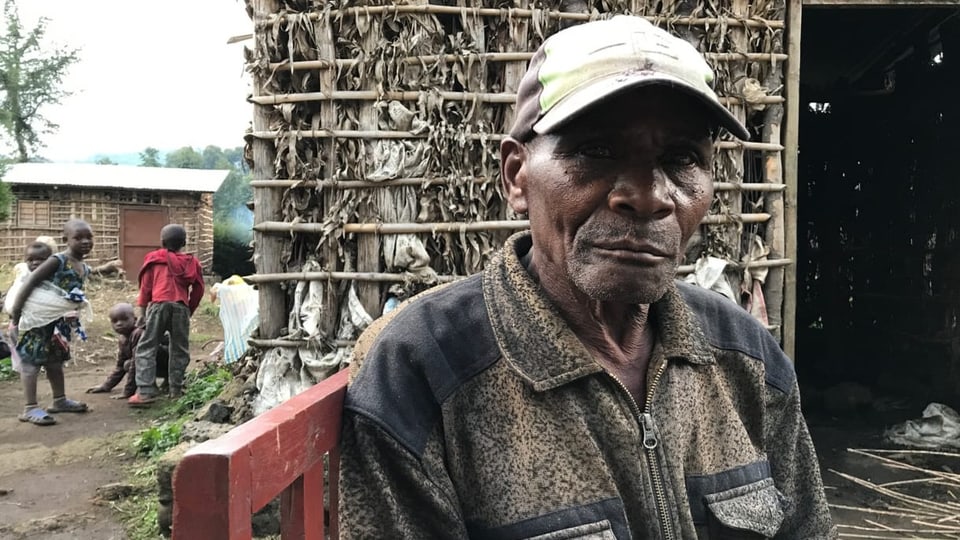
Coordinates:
(477,413)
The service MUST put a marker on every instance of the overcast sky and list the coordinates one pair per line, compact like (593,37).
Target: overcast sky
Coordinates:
(154,74)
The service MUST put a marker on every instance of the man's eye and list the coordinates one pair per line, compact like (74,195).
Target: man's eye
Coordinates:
(681,159)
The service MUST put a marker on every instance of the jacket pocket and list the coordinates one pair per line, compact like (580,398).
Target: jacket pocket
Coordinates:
(752,511)
(600,530)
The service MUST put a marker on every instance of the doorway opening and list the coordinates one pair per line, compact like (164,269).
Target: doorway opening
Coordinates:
(878,277)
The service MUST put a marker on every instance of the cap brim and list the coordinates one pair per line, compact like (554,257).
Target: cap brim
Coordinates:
(597,91)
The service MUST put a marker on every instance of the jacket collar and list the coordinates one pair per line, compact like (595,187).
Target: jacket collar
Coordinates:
(538,343)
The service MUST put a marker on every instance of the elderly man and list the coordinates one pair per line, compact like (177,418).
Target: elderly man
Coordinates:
(574,389)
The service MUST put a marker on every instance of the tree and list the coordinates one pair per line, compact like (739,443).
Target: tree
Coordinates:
(150,157)
(185,158)
(214,158)
(104,160)
(30,78)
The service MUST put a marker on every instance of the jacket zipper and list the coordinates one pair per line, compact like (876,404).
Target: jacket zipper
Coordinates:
(650,443)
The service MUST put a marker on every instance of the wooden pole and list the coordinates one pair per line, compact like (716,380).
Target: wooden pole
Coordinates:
(791,176)
(417,95)
(394,277)
(733,232)
(511,57)
(441,181)
(773,203)
(267,206)
(285,227)
(511,14)
(368,246)
(330,250)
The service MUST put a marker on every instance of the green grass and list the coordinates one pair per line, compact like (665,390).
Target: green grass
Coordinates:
(139,511)
(157,439)
(6,370)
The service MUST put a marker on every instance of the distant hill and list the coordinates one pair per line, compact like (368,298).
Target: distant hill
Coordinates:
(129,158)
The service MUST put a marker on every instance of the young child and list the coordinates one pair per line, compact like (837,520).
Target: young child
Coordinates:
(125,325)
(35,254)
(46,346)
(171,286)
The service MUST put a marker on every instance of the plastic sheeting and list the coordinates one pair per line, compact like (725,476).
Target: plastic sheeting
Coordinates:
(708,273)
(938,428)
(239,315)
(286,371)
(396,159)
(753,280)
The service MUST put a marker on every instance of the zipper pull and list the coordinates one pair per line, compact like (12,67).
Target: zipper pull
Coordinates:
(649,431)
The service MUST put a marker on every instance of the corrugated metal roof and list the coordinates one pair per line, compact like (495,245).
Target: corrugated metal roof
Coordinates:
(115,176)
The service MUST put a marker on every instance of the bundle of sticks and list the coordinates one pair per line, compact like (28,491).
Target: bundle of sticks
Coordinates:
(898,513)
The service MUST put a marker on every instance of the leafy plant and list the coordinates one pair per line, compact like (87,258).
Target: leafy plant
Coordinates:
(156,440)
(6,370)
(139,511)
(202,386)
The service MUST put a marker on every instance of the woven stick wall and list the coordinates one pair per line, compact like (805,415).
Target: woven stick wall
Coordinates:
(376,135)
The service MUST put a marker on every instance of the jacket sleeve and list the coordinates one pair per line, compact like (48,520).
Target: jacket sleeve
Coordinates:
(146,288)
(796,471)
(387,492)
(196,288)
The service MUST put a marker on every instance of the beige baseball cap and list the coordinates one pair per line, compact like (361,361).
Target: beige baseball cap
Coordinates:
(583,65)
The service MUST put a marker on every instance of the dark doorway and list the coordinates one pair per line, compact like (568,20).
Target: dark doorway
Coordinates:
(879,202)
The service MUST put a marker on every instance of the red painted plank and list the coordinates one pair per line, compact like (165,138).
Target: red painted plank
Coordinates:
(221,483)
(301,507)
(334,499)
(212,498)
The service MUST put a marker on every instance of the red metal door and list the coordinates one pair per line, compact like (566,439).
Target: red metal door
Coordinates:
(139,234)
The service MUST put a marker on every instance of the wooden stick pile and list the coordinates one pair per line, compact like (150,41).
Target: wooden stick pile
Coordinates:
(904,512)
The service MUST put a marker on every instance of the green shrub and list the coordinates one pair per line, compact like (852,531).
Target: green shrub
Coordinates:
(201,387)
(6,370)
(156,440)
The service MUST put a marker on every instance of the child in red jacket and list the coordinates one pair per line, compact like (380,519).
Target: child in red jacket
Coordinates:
(171,286)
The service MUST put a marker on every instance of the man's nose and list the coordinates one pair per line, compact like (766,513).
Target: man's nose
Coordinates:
(649,194)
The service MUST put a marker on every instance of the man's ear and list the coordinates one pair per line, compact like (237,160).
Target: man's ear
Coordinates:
(513,157)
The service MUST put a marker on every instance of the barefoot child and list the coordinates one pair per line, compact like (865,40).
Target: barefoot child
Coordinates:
(124,324)
(171,286)
(47,346)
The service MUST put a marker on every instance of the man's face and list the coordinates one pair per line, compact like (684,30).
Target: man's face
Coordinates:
(614,196)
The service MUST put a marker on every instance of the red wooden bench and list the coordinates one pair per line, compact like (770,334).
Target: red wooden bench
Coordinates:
(221,483)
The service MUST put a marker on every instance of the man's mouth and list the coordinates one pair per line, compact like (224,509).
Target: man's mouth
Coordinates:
(636,252)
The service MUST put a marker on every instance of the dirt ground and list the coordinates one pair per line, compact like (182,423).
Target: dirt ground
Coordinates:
(49,475)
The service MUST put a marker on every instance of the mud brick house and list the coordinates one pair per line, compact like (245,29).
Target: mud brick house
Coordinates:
(126,206)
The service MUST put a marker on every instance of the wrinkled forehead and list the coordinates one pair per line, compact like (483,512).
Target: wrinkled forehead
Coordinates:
(668,111)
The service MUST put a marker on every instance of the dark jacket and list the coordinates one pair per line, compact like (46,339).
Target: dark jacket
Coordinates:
(477,413)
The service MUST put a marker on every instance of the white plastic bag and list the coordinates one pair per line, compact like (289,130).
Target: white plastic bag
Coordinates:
(239,315)
(939,428)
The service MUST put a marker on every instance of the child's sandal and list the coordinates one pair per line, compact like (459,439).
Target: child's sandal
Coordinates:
(37,417)
(68,405)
